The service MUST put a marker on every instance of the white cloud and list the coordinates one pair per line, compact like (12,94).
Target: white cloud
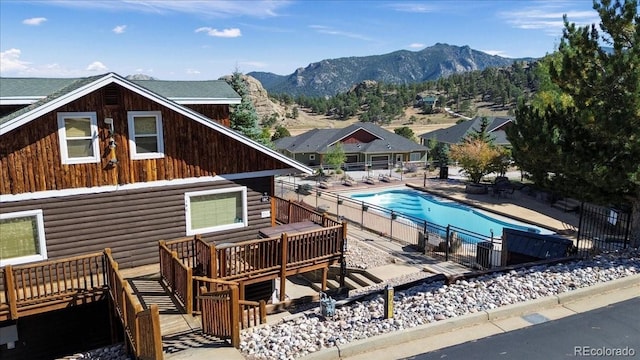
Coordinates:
(548,17)
(10,61)
(321,29)
(34,21)
(417,46)
(97,66)
(218,8)
(226,33)
(255,64)
(501,53)
(119,29)
(413,7)
(192,72)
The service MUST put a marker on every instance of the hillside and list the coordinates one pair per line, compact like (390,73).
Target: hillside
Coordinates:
(332,76)
(412,117)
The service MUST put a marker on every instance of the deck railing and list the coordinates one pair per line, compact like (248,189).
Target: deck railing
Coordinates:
(49,285)
(141,327)
(177,275)
(224,314)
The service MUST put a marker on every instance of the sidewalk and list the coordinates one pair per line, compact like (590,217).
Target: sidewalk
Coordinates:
(453,331)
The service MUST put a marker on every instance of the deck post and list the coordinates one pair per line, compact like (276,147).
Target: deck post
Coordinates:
(235,317)
(325,270)
(189,294)
(263,312)
(273,211)
(213,267)
(10,290)
(283,264)
(289,212)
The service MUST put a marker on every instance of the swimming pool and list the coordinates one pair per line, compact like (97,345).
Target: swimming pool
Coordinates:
(444,212)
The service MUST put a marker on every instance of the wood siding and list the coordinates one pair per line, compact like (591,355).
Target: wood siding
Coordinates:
(360,136)
(131,222)
(30,159)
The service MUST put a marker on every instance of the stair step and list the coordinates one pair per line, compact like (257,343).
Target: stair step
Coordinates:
(351,284)
(362,279)
(333,284)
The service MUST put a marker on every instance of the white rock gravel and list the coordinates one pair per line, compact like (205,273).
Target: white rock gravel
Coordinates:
(429,302)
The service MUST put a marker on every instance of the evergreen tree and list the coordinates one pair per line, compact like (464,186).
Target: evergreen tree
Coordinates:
(406,132)
(281,132)
(597,136)
(243,117)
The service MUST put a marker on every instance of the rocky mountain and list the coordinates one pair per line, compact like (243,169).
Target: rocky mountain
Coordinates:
(259,98)
(140,77)
(332,76)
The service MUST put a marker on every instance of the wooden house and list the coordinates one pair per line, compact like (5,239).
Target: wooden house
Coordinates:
(107,162)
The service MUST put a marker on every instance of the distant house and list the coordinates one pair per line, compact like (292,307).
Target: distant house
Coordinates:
(363,143)
(423,101)
(456,133)
(104,161)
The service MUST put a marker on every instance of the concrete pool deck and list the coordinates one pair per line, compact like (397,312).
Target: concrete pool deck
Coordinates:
(517,205)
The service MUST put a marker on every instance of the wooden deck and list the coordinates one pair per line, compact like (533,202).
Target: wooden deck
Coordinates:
(160,300)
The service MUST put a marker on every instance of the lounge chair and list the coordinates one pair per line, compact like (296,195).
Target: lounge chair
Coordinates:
(385,178)
(368,180)
(348,182)
(324,185)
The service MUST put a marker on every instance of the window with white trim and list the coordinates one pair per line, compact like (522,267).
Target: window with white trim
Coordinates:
(78,134)
(216,210)
(415,156)
(22,237)
(145,135)
(312,156)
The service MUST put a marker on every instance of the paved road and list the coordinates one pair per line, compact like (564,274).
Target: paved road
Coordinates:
(605,329)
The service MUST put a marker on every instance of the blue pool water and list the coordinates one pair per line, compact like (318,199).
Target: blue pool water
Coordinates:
(444,212)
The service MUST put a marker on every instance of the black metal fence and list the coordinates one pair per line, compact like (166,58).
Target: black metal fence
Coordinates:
(602,228)
(445,242)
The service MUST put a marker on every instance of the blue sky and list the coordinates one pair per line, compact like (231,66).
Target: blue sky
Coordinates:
(203,40)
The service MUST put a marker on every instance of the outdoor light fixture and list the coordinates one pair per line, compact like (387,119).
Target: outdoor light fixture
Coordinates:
(265,198)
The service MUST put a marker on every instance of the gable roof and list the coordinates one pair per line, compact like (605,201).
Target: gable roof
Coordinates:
(319,141)
(24,91)
(456,133)
(80,87)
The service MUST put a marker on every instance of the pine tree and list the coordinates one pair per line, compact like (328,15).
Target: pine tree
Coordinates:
(243,117)
(596,137)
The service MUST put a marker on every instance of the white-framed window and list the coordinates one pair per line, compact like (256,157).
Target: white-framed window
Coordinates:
(312,156)
(145,135)
(216,210)
(415,156)
(78,134)
(22,237)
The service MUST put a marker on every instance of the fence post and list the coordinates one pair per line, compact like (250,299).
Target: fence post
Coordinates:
(447,243)
(283,265)
(579,237)
(504,258)
(338,206)
(235,317)
(628,229)
(391,225)
(425,237)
